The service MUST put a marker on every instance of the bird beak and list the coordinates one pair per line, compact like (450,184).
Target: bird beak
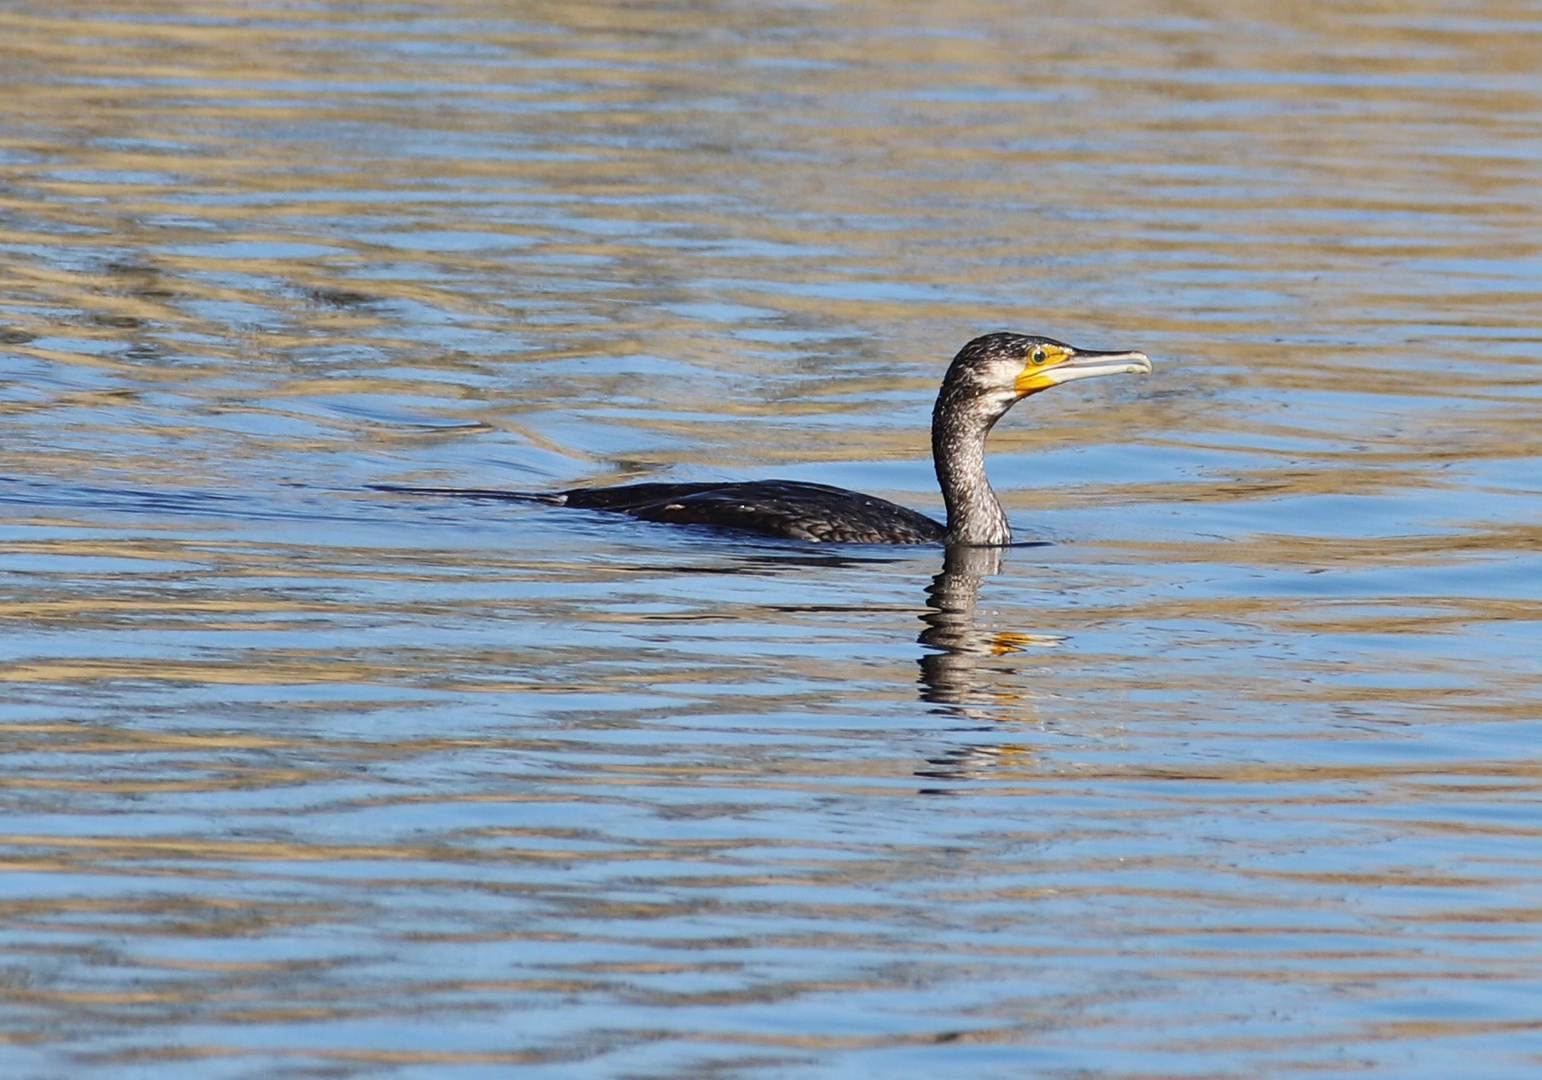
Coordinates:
(1077,364)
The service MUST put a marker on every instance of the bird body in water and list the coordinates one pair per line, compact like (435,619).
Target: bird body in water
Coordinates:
(987,377)
(787,508)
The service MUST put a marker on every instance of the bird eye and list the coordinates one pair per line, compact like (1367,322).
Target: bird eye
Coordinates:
(1038,356)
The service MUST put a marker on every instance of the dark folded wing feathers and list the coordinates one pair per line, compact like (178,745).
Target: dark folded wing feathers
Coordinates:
(785,508)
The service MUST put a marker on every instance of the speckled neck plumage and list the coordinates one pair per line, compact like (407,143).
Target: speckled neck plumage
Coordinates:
(961,420)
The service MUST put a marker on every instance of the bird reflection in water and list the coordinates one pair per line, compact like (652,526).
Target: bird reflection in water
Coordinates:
(951,669)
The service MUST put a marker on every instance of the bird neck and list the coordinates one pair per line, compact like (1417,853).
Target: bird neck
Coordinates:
(959,428)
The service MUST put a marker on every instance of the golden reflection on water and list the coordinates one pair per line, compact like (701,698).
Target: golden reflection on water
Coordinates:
(1233,778)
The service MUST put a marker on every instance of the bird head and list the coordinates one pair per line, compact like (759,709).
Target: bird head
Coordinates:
(1009,367)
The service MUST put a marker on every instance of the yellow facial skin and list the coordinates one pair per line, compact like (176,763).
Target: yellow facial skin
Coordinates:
(1051,365)
(1035,374)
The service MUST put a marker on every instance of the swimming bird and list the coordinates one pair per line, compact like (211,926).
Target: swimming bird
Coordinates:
(987,377)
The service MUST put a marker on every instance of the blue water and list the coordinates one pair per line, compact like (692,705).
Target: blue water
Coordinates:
(1232,776)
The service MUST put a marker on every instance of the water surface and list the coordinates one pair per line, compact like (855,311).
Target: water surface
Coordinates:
(1235,777)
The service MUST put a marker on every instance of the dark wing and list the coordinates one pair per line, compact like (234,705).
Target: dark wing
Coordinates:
(785,508)
(782,508)
(627,498)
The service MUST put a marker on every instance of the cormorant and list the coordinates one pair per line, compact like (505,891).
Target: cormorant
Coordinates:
(987,377)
